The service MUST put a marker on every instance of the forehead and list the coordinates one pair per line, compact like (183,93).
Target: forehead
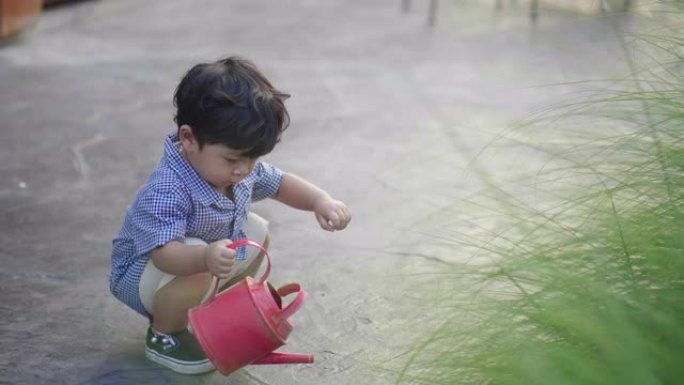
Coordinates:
(222,150)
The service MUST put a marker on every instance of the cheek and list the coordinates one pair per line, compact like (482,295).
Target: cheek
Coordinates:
(217,171)
(224,170)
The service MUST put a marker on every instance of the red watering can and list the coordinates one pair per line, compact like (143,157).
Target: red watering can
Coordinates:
(245,323)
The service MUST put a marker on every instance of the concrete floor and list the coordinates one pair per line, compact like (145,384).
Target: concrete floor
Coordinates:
(387,114)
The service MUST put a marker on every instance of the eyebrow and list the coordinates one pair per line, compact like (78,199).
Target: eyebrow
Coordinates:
(234,155)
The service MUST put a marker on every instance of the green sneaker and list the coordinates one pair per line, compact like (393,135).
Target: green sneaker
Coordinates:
(179,352)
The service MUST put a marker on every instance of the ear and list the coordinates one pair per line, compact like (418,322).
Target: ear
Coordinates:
(187,138)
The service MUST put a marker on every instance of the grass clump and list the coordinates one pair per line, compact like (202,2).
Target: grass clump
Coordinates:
(587,287)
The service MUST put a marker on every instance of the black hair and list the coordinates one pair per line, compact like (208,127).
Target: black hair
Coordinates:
(231,102)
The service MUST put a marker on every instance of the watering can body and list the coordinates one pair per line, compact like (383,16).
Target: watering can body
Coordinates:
(245,323)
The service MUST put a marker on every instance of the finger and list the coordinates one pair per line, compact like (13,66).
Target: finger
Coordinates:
(226,268)
(342,211)
(343,218)
(224,275)
(323,222)
(227,264)
(343,223)
(228,253)
(334,220)
(347,214)
(218,271)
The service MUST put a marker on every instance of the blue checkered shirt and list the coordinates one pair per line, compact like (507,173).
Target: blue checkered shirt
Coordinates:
(176,203)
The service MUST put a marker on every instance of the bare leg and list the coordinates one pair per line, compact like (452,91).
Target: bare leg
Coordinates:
(172,302)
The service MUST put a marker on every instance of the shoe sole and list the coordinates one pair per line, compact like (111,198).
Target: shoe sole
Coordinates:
(179,366)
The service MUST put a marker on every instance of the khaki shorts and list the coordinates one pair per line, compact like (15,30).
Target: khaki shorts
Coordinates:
(153,279)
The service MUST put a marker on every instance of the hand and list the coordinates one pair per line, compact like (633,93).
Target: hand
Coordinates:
(332,214)
(219,259)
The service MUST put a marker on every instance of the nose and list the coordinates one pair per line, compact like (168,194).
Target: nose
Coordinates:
(240,170)
(244,167)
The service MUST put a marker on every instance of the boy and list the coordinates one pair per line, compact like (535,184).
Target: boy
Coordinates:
(174,236)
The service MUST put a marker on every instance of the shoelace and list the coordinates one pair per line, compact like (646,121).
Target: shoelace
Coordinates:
(166,341)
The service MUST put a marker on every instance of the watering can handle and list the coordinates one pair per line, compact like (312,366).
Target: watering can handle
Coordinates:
(248,242)
(242,243)
(296,303)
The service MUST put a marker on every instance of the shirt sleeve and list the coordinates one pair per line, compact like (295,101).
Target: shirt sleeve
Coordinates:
(268,181)
(159,216)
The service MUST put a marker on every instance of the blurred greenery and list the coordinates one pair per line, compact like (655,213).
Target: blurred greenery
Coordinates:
(586,287)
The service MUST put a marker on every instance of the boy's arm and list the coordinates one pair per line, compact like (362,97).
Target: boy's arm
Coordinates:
(301,194)
(179,259)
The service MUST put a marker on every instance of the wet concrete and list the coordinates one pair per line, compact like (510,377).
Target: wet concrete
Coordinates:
(387,114)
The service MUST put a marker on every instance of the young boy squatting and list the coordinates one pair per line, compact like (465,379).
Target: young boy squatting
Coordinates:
(174,237)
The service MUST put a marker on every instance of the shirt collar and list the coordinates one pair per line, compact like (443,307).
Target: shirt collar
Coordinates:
(201,189)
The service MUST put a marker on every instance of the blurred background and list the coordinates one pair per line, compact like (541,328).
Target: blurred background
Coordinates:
(412,112)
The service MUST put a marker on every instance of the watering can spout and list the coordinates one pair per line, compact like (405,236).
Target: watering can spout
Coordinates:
(285,358)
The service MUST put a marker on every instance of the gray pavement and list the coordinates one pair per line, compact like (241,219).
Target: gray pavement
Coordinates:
(387,115)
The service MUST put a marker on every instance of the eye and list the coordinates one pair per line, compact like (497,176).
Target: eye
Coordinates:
(231,160)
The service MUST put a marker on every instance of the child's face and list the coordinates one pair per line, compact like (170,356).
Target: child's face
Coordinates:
(219,165)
